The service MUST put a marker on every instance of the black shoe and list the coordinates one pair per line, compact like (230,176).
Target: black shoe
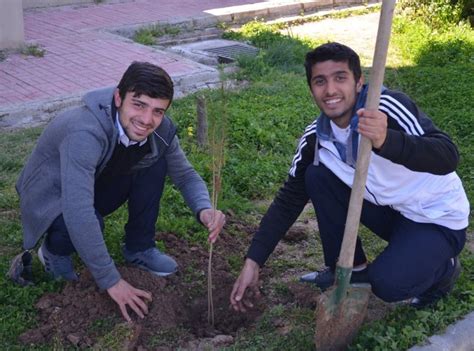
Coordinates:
(438,290)
(325,278)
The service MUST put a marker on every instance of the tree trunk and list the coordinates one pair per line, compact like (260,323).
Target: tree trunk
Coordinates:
(201,120)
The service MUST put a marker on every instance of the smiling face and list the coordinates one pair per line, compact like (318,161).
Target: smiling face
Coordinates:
(335,90)
(140,115)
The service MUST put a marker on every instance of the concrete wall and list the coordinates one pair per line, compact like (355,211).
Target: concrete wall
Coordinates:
(12,34)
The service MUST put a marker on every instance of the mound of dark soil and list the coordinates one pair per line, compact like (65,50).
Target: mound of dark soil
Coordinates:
(81,316)
(76,314)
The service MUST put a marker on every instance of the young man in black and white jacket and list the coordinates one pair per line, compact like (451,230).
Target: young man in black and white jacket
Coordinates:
(414,199)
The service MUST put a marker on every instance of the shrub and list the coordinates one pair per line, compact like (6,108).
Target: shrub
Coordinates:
(422,45)
(282,52)
(257,33)
(437,13)
(148,35)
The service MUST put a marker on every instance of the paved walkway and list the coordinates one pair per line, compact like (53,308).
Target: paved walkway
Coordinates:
(83,50)
(80,52)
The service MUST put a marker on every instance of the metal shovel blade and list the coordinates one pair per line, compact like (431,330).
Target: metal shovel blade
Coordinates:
(338,319)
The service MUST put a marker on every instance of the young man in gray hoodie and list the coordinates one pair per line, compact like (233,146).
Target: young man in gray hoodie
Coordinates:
(118,147)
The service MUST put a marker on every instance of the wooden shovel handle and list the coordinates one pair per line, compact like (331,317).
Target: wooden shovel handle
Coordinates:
(346,256)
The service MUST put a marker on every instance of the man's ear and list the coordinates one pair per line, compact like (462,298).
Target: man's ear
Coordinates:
(360,84)
(117,98)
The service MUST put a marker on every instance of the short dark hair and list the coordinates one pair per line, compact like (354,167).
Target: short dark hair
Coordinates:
(147,79)
(335,52)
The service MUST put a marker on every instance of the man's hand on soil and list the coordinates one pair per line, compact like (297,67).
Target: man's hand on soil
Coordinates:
(214,221)
(248,278)
(124,294)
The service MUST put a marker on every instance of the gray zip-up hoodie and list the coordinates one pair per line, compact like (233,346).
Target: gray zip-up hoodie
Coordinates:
(60,174)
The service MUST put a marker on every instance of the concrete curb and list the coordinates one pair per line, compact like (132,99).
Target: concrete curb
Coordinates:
(240,14)
(37,113)
(458,337)
(244,13)
(40,112)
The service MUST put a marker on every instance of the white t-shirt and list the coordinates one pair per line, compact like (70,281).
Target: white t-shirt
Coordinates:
(341,134)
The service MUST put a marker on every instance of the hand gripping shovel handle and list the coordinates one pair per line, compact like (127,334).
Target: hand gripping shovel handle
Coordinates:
(346,256)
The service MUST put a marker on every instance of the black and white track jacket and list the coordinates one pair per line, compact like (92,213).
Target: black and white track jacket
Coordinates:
(413,172)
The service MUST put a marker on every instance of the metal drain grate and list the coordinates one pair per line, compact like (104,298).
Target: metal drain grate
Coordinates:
(229,53)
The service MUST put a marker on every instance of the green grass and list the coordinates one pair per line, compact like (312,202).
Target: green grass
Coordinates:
(265,122)
(405,326)
(17,305)
(279,328)
(148,35)
(27,50)
(33,50)
(168,337)
(116,339)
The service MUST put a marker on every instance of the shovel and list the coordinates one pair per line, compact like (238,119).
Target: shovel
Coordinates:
(342,309)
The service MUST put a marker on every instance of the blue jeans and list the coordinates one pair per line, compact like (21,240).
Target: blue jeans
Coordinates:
(142,189)
(417,256)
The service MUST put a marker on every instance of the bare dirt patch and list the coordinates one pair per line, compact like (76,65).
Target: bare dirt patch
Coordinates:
(82,316)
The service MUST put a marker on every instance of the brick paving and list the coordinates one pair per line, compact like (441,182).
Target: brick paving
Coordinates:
(82,53)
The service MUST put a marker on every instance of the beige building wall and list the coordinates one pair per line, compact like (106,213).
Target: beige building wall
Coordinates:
(12,33)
